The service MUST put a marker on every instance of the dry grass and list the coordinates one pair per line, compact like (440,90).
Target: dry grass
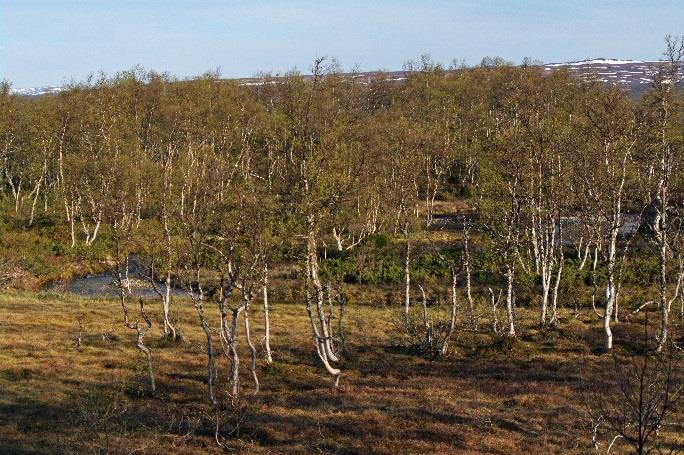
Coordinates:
(488,396)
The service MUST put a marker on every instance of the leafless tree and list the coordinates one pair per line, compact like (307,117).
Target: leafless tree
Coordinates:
(120,275)
(641,402)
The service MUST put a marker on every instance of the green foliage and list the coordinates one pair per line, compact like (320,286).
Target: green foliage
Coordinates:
(384,267)
(641,269)
(252,171)
(378,240)
(382,262)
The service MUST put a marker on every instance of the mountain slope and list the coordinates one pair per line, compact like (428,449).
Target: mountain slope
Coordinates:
(634,75)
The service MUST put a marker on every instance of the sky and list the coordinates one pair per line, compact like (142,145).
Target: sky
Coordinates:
(53,42)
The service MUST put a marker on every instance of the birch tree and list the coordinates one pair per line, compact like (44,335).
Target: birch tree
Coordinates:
(666,221)
(322,165)
(611,127)
(545,118)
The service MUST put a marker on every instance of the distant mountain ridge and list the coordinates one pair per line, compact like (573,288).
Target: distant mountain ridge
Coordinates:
(634,75)
(37,91)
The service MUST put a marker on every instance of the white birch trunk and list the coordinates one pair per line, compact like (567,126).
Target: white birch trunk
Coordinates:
(407,273)
(252,349)
(267,322)
(510,272)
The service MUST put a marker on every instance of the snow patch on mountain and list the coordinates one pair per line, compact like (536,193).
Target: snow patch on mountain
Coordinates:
(635,75)
(37,91)
(596,61)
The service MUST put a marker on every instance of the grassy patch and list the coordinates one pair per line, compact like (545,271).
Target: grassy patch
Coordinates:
(490,394)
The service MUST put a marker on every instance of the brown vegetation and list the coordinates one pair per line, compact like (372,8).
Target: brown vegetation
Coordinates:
(491,394)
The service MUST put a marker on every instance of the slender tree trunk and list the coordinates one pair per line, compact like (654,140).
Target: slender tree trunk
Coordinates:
(610,290)
(211,369)
(554,299)
(232,346)
(407,273)
(320,346)
(121,239)
(535,245)
(72,222)
(426,322)
(320,297)
(252,349)
(466,265)
(148,354)
(96,229)
(16,192)
(267,322)
(664,307)
(452,319)
(169,329)
(561,260)
(582,257)
(495,304)
(198,301)
(338,239)
(510,272)
(35,200)
(321,338)
(594,282)
(546,275)
(340,322)
(547,230)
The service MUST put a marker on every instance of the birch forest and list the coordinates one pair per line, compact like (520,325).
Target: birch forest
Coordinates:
(483,259)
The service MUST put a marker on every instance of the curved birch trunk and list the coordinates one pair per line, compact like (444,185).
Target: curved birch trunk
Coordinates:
(320,346)
(148,354)
(320,297)
(321,337)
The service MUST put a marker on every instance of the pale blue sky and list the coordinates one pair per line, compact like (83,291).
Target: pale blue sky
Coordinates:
(49,42)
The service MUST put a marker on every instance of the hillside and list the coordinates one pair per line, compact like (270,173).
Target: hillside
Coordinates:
(634,75)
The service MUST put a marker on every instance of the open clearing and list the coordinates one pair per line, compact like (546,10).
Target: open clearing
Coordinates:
(486,396)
